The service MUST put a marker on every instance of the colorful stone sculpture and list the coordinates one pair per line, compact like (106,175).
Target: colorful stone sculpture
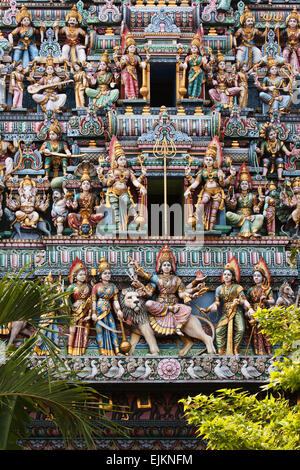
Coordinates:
(231,326)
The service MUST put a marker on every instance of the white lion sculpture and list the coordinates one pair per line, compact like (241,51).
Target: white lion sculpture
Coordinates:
(135,312)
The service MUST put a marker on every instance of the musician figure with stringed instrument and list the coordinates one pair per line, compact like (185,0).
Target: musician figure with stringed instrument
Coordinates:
(56,151)
(45,91)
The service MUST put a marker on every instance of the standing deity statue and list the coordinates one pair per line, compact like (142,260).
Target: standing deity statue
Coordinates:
(128,65)
(26,49)
(80,84)
(104,94)
(45,91)
(276,89)
(212,181)
(245,205)
(55,150)
(269,208)
(72,49)
(230,297)
(196,64)
(27,205)
(6,159)
(80,297)
(260,296)
(223,83)
(291,39)
(118,195)
(247,51)
(16,84)
(104,302)
(272,151)
(85,202)
(241,82)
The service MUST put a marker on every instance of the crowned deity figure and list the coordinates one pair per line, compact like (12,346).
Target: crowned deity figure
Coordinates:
(291,38)
(55,150)
(104,304)
(247,34)
(128,64)
(26,49)
(105,93)
(85,202)
(73,50)
(80,298)
(196,65)
(231,300)
(45,91)
(245,206)
(118,194)
(169,312)
(272,151)
(276,88)
(212,181)
(28,204)
(223,84)
(260,296)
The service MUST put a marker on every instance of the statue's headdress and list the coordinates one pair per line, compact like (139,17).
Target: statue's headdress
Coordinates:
(165,254)
(233,266)
(262,267)
(220,57)
(55,127)
(243,175)
(23,13)
(27,181)
(77,265)
(115,151)
(246,14)
(214,150)
(85,175)
(103,265)
(105,57)
(294,15)
(74,13)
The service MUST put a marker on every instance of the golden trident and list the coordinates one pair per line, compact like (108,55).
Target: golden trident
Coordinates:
(164,148)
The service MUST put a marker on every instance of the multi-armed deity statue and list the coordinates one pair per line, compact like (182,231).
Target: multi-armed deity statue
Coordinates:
(82,165)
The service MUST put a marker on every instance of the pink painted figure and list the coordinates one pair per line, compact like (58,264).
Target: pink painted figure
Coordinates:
(16,85)
(128,64)
(291,38)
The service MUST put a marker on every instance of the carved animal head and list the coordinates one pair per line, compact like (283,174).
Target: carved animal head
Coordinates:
(133,306)
(285,290)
